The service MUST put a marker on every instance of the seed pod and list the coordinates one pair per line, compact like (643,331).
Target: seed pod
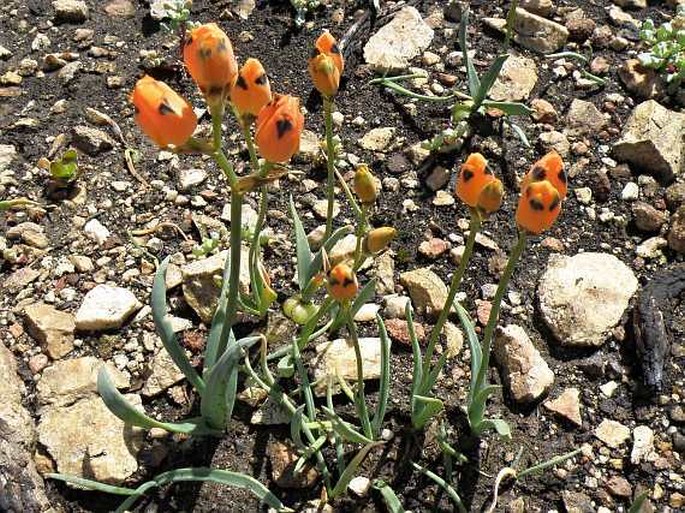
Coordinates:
(378,239)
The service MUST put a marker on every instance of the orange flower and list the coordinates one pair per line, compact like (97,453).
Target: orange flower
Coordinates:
(342,283)
(279,126)
(474,175)
(550,168)
(538,208)
(327,44)
(325,75)
(208,55)
(252,90)
(161,113)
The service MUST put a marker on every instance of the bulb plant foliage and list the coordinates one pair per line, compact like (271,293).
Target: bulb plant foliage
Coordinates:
(467,105)
(329,293)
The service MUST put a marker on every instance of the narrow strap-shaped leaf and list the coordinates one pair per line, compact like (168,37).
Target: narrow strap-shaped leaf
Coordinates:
(519,133)
(476,408)
(474,346)
(308,452)
(304,252)
(416,352)
(489,79)
(217,403)
(119,406)
(296,428)
(91,484)
(351,469)
(509,108)
(471,75)
(214,338)
(449,490)
(499,425)
(166,330)
(344,429)
(384,386)
(389,496)
(427,408)
(218,476)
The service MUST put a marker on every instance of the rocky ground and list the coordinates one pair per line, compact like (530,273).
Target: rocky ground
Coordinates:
(77,272)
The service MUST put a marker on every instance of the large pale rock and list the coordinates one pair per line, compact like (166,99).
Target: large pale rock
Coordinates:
(163,374)
(537,33)
(398,42)
(653,141)
(67,381)
(85,439)
(106,307)
(612,433)
(525,372)
(201,287)
(343,250)
(70,11)
(639,80)
(427,290)
(377,139)
(516,80)
(583,297)
(338,357)
(52,328)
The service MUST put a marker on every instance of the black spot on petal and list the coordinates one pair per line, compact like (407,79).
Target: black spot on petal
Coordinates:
(467,174)
(539,173)
(283,126)
(241,82)
(536,204)
(261,79)
(562,176)
(555,203)
(347,281)
(205,53)
(314,53)
(335,48)
(221,47)
(164,108)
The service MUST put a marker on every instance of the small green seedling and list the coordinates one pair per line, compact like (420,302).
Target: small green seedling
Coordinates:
(666,49)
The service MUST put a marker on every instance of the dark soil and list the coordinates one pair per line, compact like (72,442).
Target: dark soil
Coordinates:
(284,50)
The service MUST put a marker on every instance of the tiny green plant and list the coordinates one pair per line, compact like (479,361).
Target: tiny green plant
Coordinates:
(466,106)
(665,49)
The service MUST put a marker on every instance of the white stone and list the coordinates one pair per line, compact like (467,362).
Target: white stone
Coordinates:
(188,178)
(398,42)
(377,139)
(630,192)
(96,231)
(106,307)
(360,486)
(643,444)
(367,313)
(583,297)
(612,433)
(516,80)
(338,358)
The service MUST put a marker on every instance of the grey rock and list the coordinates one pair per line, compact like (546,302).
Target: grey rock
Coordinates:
(68,381)
(378,139)
(30,233)
(189,178)
(537,33)
(70,11)
(91,140)
(631,4)
(283,458)
(643,444)
(398,42)
(652,141)
(639,80)
(8,153)
(525,372)
(583,297)
(648,218)
(163,374)
(337,358)
(106,307)
(385,273)
(584,118)
(540,7)
(200,281)
(68,72)
(52,328)
(427,290)
(87,440)
(96,231)
(516,79)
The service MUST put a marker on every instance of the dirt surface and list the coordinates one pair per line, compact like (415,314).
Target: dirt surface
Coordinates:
(113,59)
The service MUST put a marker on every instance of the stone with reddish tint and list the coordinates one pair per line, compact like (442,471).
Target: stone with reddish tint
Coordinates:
(398,329)
(53,328)
(433,248)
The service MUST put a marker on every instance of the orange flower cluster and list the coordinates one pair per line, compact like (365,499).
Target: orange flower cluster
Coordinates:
(168,119)
(542,191)
(342,283)
(326,65)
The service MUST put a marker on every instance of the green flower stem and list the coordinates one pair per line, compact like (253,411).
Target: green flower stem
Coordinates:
(217,114)
(330,163)
(226,167)
(474,228)
(361,229)
(362,410)
(509,28)
(496,305)
(406,92)
(350,197)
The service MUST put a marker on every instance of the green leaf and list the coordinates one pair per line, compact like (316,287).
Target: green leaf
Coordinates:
(166,330)
(509,108)
(449,490)
(344,429)
(351,469)
(91,485)
(499,425)
(219,319)
(317,261)
(519,133)
(417,372)
(489,79)
(285,368)
(474,345)
(121,408)
(636,506)
(308,452)
(66,168)
(225,477)
(472,76)
(217,402)
(389,496)
(476,407)
(304,251)
(296,428)
(384,386)
(427,408)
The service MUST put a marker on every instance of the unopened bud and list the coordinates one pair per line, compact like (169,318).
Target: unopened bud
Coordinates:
(378,239)
(365,185)
(490,198)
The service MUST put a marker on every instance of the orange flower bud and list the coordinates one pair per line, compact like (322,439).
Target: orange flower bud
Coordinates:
(208,55)
(490,198)
(379,238)
(279,127)
(326,44)
(325,74)
(161,113)
(474,175)
(342,283)
(550,168)
(365,185)
(538,208)
(252,90)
